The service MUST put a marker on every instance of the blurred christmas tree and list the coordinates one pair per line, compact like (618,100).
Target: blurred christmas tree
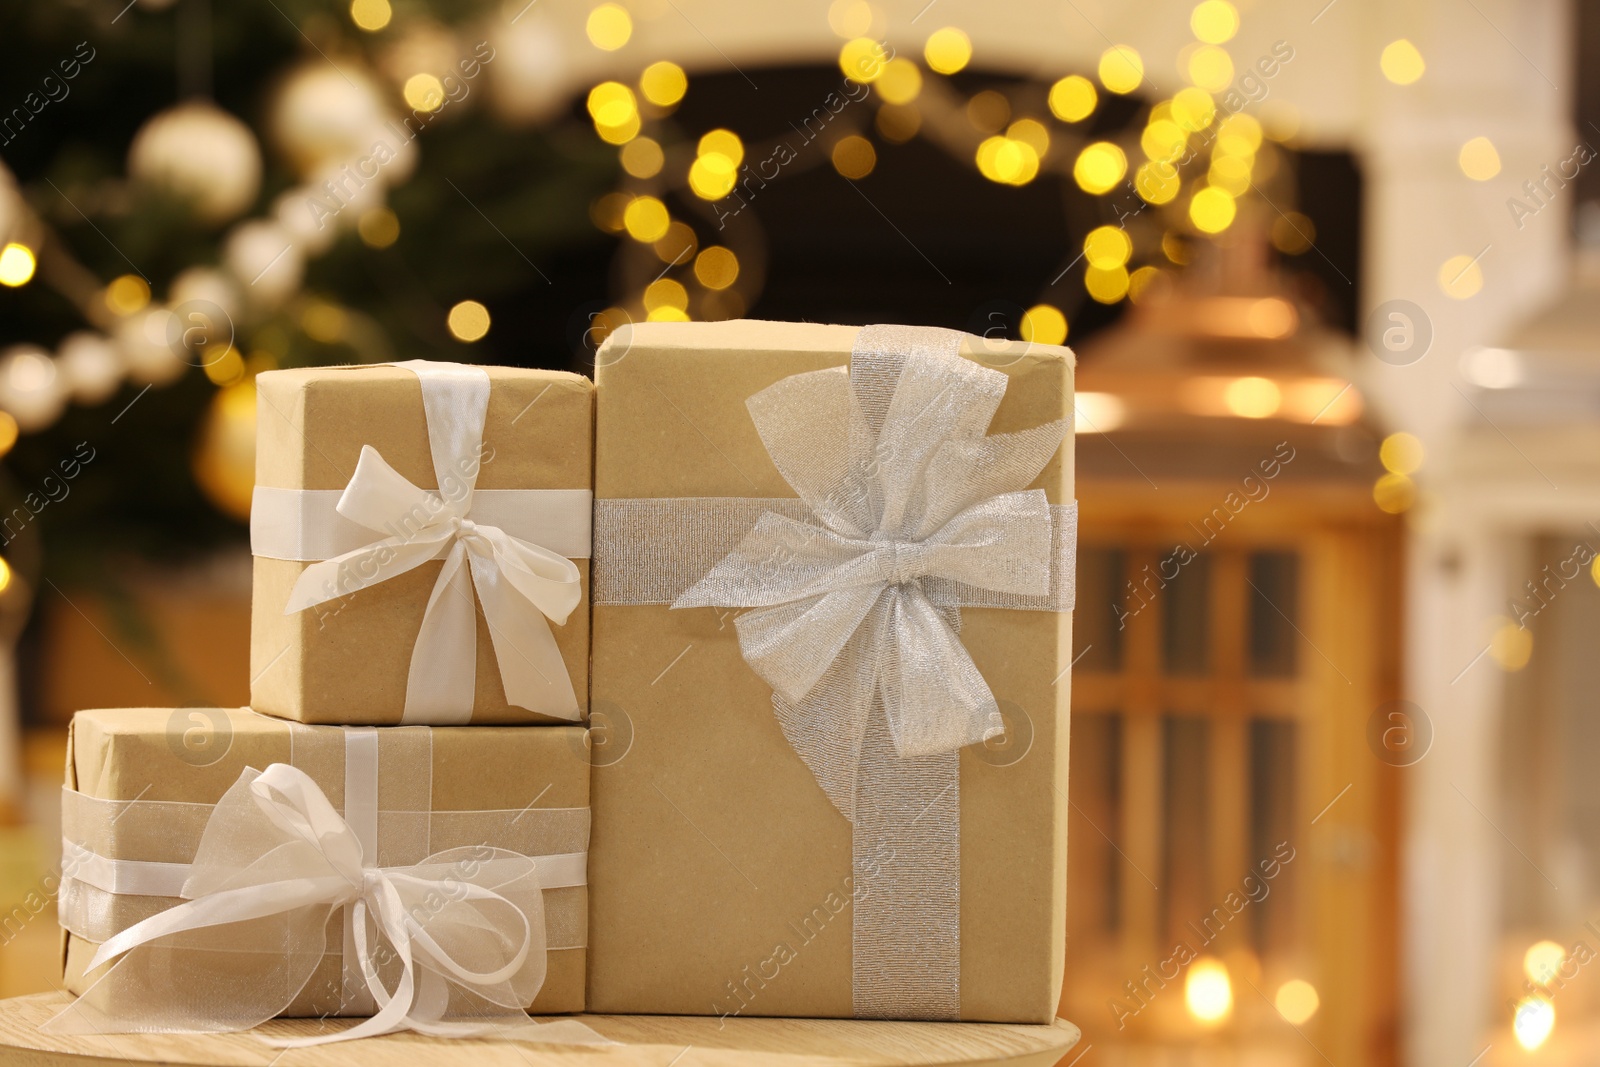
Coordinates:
(200,191)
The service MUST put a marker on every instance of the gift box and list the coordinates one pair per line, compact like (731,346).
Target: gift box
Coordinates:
(421,534)
(434,818)
(833,574)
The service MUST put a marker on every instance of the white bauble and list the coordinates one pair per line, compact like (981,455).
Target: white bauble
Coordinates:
(324,113)
(151,346)
(345,194)
(264,258)
(31,387)
(201,153)
(308,217)
(213,295)
(528,78)
(91,365)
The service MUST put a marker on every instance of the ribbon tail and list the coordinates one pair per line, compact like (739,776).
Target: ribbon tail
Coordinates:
(934,697)
(532,670)
(826,727)
(444,661)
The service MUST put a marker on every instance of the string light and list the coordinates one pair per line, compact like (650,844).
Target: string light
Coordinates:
(1044,324)
(1212,210)
(1121,69)
(370,15)
(663,83)
(1099,167)
(1532,1022)
(1210,68)
(1401,63)
(947,51)
(1072,99)
(468,321)
(1402,453)
(899,82)
(17,264)
(1214,21)
(1208,991)
(1107,247)
(850,18)
(1193,109)
(1297,1001)
(646,219)
(1479,160)
(642,157)
(665,292)
(1394,493)
(1156,182)
(378,228)
(1460,277)
(863,60)
(854,157)
(609,26)
(716,267)
(1106,286)
(424,92)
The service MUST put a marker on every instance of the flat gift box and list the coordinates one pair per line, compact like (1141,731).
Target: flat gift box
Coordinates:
(533,783)
(722,873)
(346,661)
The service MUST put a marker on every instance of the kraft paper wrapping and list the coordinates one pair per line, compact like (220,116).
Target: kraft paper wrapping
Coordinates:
(721,873)
(195,754)
(346,661)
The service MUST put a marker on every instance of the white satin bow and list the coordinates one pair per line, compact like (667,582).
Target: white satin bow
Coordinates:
(907,494)
(461,936)
(520,585)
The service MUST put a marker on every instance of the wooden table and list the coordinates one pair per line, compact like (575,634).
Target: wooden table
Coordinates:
(647,1041)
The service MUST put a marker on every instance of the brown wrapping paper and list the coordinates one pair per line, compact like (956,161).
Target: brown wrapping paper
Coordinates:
(345,661)
(721,873)
(196,755)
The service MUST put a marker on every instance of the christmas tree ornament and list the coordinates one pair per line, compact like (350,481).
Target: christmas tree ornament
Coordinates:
(327,112)
(202,154)
(264,258)
(91,366)
(31,388)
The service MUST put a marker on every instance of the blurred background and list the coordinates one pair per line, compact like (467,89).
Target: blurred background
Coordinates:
(1330,267)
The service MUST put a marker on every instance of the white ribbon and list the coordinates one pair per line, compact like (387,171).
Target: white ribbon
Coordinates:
(903,486)
(521,585)
(459,951)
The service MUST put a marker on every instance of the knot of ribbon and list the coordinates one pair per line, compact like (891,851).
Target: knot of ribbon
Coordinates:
(453,946)
(522,586)
(908,494)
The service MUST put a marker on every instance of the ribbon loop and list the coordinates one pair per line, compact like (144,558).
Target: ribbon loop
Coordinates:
(522,587)
(460,944)
(902,485)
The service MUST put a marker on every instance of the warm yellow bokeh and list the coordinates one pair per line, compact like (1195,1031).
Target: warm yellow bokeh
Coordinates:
(1121,69)
(17,264)
(423,92)
(1157,182)
(1212,210)
(642,157)
(1106,286)
(609,26)
(1460,277)
(646,219)
(1401,453)
(863,60)
(1394,493)
(1297,1001)
(1479,159)
(854,157)
(468,321)
(1193,109)
(1044,324)
(1107,247)
(1072,99)
(899,82)
(1099,167)
(947,51)
(1214,21)
(370,15)
(1208,991)
(717,267)
(663,83)
(1401,62)
(1210,68)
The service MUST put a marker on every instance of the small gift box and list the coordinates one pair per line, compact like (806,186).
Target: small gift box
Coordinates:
(421,534)
(833,576)
(222,867)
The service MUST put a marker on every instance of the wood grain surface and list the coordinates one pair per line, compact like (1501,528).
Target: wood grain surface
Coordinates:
(645,1041)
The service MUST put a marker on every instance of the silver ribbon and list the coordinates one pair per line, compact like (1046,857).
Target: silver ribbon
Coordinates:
(907,510)
(519,584)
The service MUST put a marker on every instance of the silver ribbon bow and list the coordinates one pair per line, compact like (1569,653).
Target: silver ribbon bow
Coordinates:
(520,585)
(461,936)
(907,495)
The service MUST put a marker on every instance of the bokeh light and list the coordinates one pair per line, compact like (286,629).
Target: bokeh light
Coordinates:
(468,321)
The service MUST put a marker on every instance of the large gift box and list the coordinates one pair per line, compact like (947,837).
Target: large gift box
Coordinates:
(319,849)
(421,534)
(833,576)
